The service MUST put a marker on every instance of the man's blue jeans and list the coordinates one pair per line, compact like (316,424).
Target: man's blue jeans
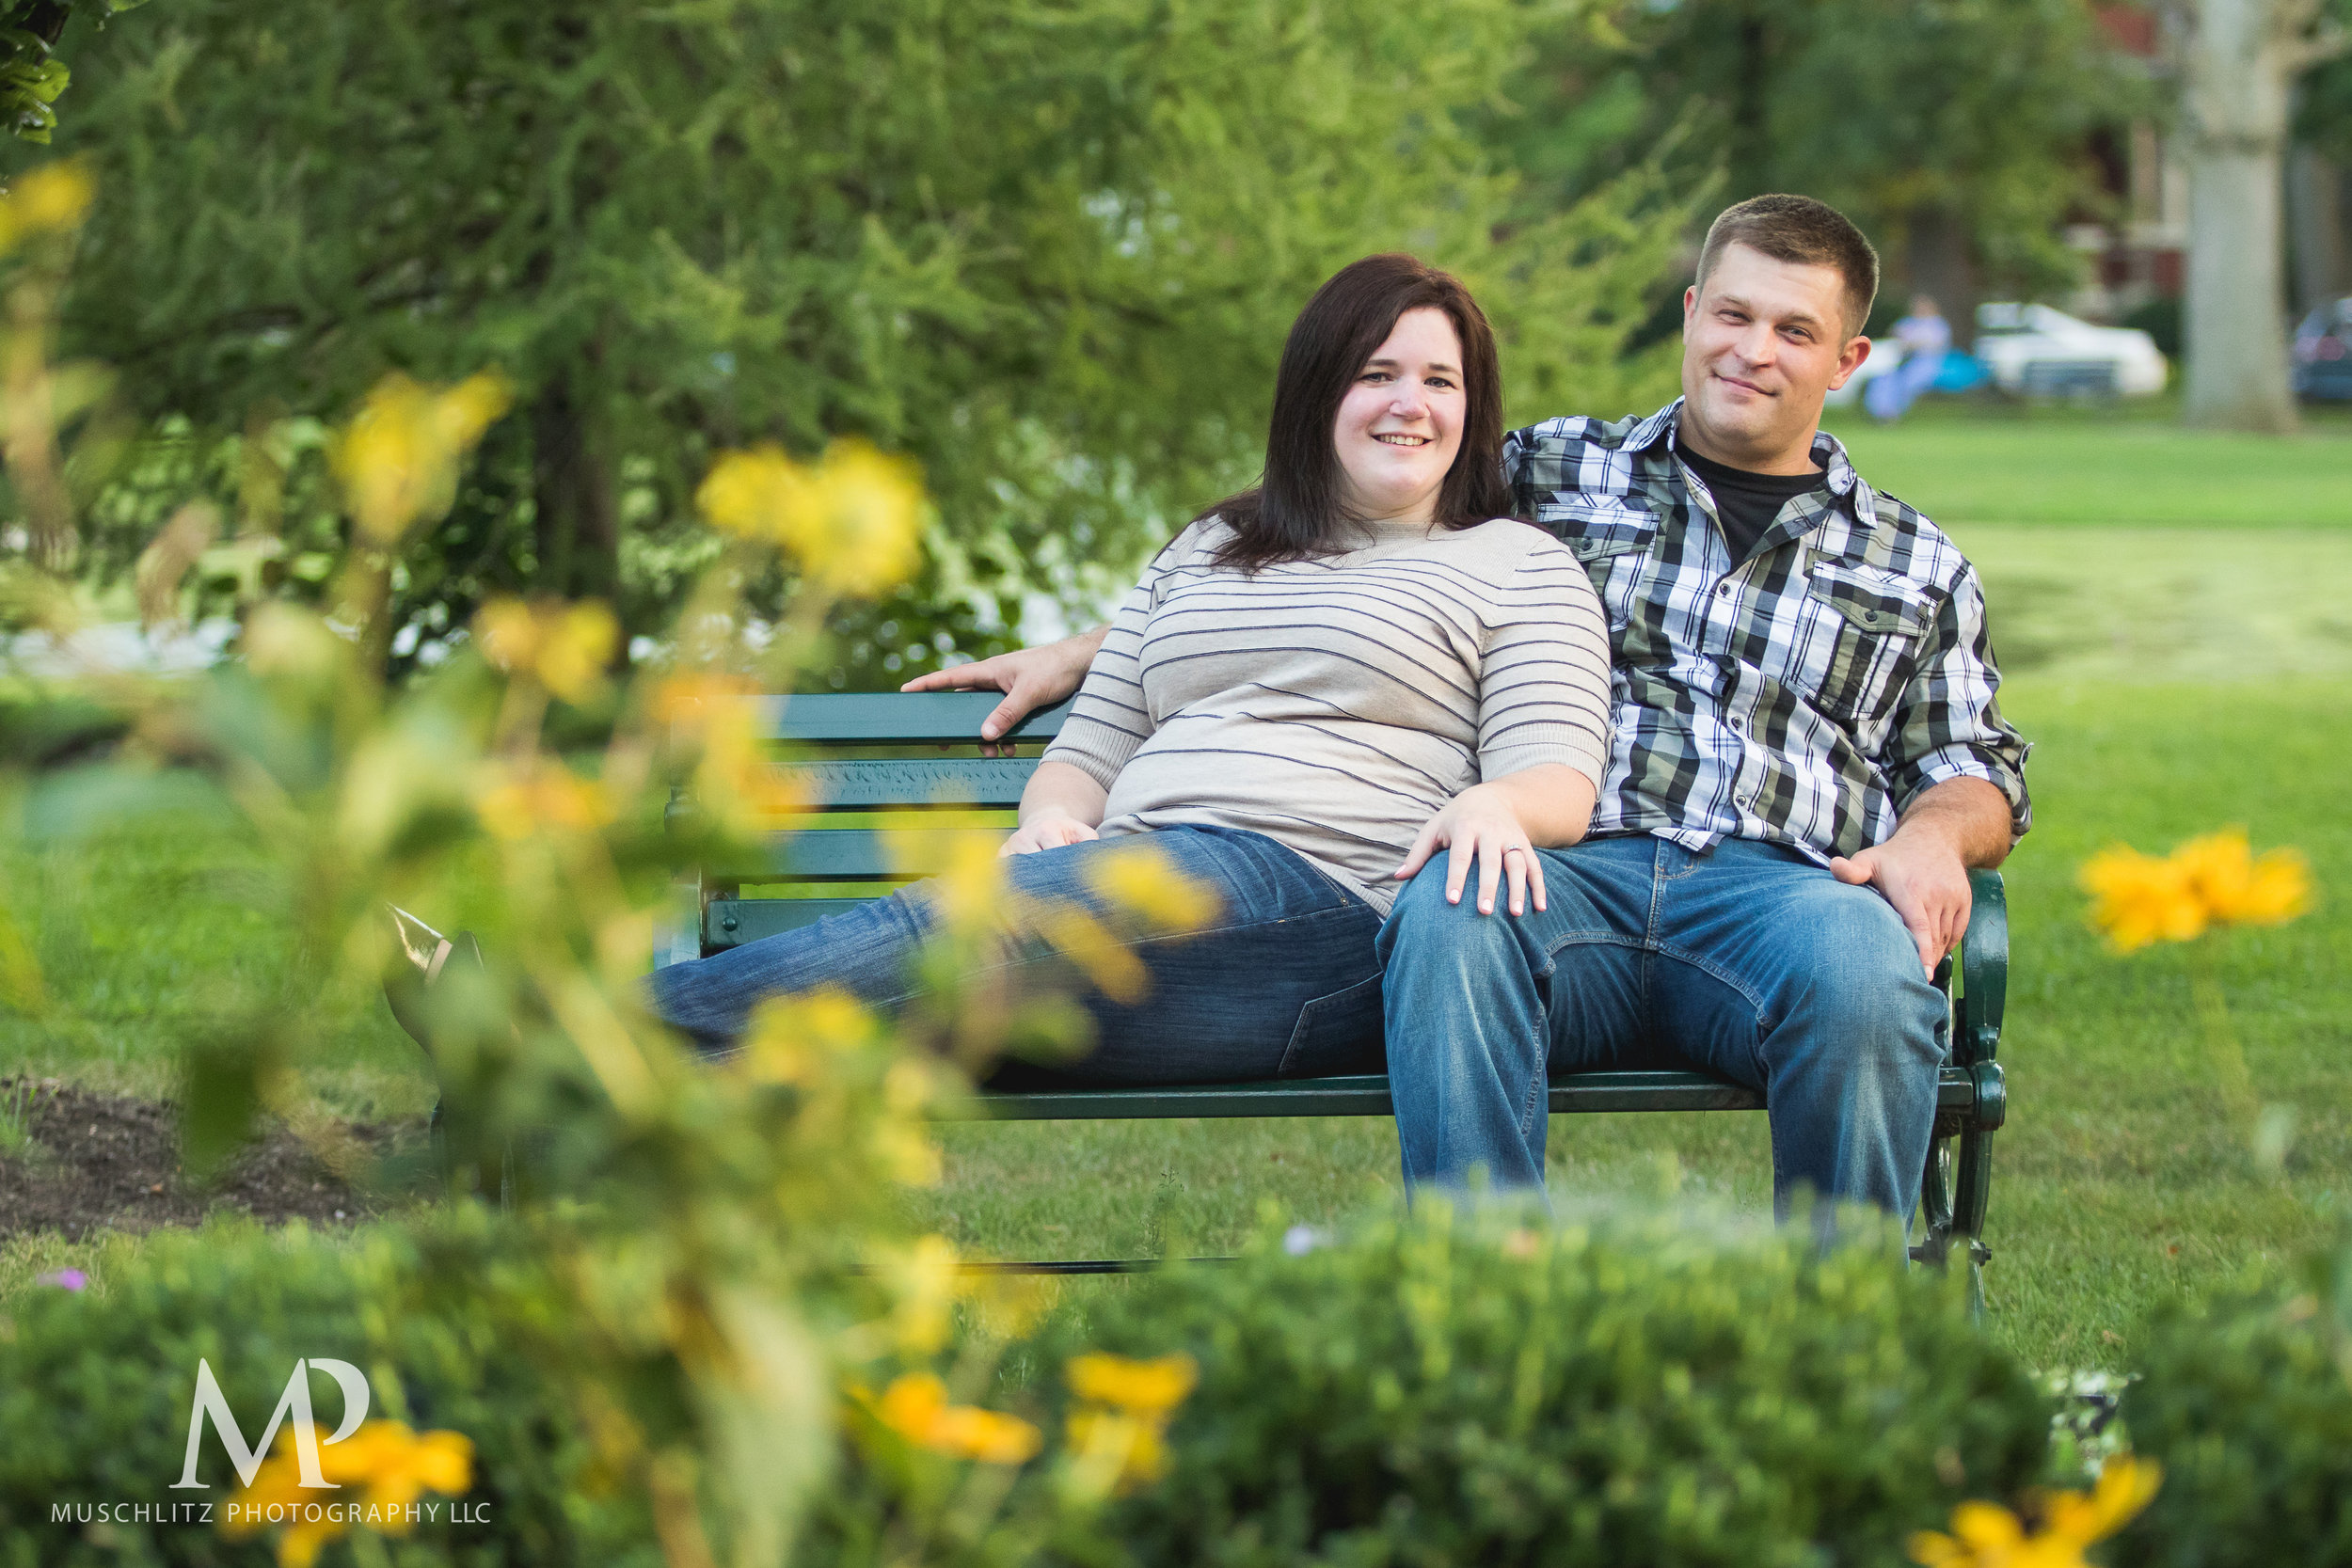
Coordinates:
(1282,982)
(1747,960)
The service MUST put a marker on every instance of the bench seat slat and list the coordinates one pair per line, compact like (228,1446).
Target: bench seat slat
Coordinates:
(1367,1095)
(856,854)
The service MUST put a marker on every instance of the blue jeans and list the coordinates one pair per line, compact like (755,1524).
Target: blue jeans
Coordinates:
(1282,982)
(1747,962)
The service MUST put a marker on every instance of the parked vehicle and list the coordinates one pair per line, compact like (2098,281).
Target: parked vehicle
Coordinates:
(2038,352)
(2323,353)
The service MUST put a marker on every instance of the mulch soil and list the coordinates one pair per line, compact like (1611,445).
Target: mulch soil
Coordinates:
(99,1161)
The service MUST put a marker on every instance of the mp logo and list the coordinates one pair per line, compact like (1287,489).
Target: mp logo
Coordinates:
(295,1402)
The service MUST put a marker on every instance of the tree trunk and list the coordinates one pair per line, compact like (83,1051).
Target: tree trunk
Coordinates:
(577,528)
(2315,222)
(1942,264)
(2240,60)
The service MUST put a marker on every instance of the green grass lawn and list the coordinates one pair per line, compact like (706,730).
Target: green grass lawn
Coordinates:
(2105,468)
(2172,683)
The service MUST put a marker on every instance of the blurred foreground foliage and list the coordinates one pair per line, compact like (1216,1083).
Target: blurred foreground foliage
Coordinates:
(1449,1387)
(703,1258)
(1047,252)
(1455,1386)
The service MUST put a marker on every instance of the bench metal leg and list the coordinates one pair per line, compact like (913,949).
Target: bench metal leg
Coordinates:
(1953,1198)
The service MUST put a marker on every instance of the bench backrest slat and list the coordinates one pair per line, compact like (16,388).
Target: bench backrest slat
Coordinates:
(893,718)
(968,783)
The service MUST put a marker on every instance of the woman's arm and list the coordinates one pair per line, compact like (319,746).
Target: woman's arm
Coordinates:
(1544,807)
(1061,805)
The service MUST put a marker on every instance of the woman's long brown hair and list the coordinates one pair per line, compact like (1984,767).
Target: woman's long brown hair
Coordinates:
(1296,512)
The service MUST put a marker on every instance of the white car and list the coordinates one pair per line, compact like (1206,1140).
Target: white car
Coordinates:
(2036,349)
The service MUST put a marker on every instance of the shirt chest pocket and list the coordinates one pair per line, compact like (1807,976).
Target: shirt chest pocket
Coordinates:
(1612,544)
(1862,632)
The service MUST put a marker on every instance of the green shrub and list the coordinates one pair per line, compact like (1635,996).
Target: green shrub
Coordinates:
(96,1389)
(2247,1401)
(1612,1391)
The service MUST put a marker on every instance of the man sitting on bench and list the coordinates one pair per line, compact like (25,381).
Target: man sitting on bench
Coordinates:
(1807,759)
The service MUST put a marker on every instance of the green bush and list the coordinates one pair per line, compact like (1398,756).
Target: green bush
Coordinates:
(2247,1401)
(96,1389)
(1620,1390)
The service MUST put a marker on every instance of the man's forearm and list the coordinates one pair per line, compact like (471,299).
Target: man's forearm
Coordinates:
(1969,816)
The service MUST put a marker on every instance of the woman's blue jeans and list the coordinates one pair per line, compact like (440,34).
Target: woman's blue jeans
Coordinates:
(1745,960)
(1282,982)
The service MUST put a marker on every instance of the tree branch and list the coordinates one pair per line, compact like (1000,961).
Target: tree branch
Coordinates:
(2322,44)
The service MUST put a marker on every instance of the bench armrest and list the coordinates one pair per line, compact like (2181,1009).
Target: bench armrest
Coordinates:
(1984,969)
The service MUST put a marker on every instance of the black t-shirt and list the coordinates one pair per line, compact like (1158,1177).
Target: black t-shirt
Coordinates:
(1746,503)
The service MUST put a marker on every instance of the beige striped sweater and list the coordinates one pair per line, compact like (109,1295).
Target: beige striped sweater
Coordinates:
(1334,705)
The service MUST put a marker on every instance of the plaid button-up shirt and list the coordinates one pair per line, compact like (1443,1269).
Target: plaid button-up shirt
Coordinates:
(1804,695)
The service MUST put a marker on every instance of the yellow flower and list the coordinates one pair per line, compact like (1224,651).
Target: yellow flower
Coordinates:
(853,519)
(2213,881)
(44,200)
(278,1483)
(1113,967)
(398,458)
(928,1278)
(791,1036)
(869,542)
(515,806)
(1986,1535)
(1151,1388)
(2236,888)
(689,703)
(916,1407)
(565,647)
(1124,1449)
(1142,879)
(735,781)
(398,1466)
(969,889)
(393,1464)
(2125,1486)
(2141,899)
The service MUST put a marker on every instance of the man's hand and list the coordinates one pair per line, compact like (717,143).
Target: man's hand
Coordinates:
(1926,883)
(1030,678)
(1923,869)
(1048,830)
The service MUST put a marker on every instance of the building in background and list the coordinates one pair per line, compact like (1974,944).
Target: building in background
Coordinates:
(2140,253)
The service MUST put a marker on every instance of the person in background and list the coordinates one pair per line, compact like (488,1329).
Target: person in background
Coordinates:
(1927,338)
(1807,759)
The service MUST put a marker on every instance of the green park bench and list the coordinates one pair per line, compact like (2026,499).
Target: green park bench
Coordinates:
(877,764)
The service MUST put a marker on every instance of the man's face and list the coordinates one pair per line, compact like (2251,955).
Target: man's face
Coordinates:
(1763,342)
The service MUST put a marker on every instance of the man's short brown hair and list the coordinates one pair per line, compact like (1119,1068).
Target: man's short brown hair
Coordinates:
(1800,230)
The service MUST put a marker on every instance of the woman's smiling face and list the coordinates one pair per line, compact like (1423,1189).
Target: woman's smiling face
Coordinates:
(1400,424)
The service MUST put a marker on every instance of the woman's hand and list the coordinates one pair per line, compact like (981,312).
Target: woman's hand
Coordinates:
(1498,826)
(1478,827)
(1048,830)
(1061,805)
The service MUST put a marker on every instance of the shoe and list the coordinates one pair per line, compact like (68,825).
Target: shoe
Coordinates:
(425,954)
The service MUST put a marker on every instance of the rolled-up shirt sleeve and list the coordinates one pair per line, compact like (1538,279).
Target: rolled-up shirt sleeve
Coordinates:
(1947,724)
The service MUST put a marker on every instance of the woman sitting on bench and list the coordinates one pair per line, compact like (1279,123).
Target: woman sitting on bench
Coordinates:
(1320,684)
